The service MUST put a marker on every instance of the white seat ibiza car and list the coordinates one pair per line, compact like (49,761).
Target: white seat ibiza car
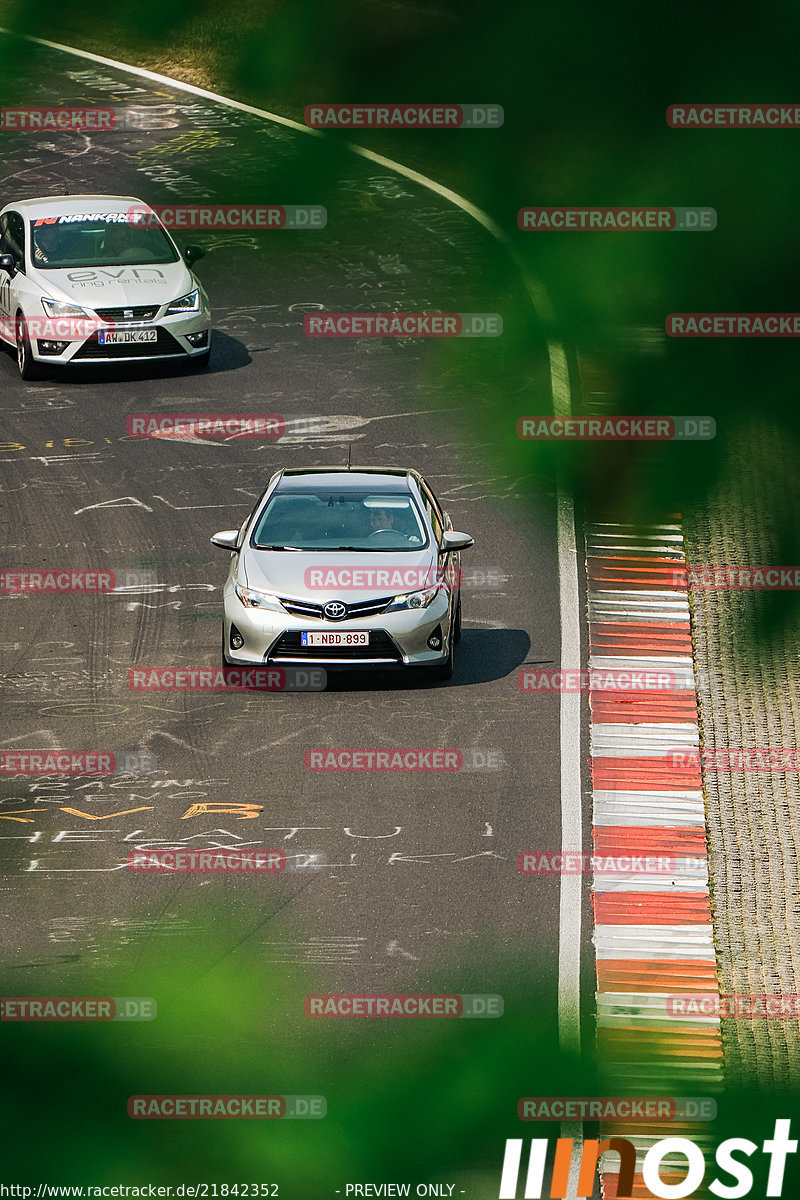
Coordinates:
(97,279)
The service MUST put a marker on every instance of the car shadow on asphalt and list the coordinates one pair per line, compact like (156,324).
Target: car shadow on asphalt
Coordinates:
(227,354)
(482,656)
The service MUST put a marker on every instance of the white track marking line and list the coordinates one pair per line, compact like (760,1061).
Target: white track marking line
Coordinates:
(571,819)
(569,923)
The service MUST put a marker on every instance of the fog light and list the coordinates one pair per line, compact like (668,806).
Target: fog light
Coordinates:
(435,640)
(198,339)
(237,641)
(51,347)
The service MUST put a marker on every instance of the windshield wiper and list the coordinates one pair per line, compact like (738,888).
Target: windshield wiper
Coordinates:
(259,547)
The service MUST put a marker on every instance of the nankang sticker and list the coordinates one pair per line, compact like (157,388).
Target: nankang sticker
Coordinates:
(123,218)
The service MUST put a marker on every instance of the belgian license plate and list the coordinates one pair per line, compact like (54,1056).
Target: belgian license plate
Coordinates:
(341,638)
(112,337)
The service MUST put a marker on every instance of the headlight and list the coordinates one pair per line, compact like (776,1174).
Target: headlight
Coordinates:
(60,308)
(414,600)
(186,304)
(252,599)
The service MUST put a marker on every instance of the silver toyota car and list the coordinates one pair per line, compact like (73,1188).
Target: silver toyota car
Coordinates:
(344,568)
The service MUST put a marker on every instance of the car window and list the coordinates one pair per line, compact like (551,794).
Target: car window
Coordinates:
(433,510)
(86,240)
(325,519)
(440,508)
(12,237)
(427,487)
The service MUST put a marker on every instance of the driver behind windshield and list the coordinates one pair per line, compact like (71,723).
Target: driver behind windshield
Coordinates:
(381,518)
(389,520)
(124,243)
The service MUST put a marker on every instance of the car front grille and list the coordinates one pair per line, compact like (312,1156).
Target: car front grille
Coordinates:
(380,646)
(120,316)
(164,345)
(366,608)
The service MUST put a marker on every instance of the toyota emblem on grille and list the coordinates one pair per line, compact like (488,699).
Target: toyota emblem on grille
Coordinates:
(334,610)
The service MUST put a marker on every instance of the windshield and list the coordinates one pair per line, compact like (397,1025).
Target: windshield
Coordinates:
(111,240)
(317,519)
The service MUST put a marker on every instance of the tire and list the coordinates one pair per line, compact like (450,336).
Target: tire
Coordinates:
(457,623)
(200,362)
(26,364)
(225,662)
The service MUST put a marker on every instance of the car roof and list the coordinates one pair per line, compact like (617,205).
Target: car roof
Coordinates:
(393,479)
(69,205)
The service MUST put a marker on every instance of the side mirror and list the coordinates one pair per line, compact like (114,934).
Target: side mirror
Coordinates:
(452,541)
(226,540)
(7,264)
(192,253)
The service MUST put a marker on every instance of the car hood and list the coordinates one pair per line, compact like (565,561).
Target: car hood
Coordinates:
(114,287)
(289,573)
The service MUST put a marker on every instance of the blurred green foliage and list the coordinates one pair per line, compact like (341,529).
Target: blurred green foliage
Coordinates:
(408,1100)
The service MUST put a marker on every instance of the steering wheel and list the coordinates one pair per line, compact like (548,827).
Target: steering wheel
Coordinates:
(375,532)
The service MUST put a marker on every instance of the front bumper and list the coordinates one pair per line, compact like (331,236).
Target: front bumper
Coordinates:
(172,342)
(397,640)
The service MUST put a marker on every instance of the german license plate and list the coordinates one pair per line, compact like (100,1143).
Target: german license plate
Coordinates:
(113,337)
(341,638)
